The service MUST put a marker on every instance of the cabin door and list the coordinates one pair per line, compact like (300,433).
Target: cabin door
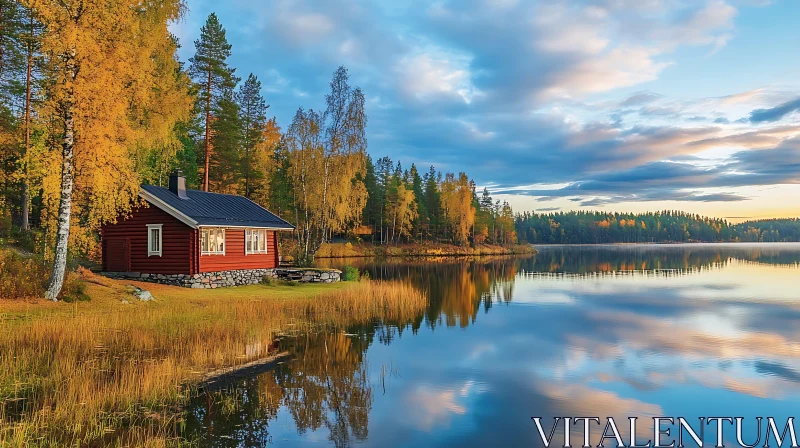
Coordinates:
(118,255)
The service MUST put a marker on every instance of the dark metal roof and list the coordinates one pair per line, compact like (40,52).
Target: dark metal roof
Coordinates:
(215,209)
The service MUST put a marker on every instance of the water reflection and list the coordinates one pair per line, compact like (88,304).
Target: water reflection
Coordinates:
(678,257)
(324,386)
(601,331)
(458,289)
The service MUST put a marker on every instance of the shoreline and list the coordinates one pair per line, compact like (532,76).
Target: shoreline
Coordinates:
(368,250)
(156,354)
(671,244)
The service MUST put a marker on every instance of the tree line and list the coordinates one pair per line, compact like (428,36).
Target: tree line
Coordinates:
(94,101)
(591,227)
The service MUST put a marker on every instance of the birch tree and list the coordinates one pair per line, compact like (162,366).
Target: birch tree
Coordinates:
(457,205)
(403,211)
(326,153)
(114,89)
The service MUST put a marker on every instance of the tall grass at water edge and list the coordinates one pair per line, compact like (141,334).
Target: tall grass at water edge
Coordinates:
(107,373)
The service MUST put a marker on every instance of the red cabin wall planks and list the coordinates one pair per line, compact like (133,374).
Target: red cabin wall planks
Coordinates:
(176,242)
(235,257)
(180,247)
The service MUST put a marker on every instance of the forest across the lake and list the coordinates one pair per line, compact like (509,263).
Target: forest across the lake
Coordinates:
(594,227)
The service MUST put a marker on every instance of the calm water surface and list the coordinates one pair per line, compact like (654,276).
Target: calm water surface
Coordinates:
(684,330)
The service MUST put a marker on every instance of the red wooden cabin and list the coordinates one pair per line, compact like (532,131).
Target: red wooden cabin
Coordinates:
(191,232)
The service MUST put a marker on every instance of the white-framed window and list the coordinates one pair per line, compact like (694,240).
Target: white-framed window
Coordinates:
(212,241)
(154,240)
(255,241)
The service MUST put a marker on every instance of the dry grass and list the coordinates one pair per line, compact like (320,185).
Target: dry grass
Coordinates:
(24,276)
(108,373)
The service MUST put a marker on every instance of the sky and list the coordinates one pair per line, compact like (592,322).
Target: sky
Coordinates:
(612,105)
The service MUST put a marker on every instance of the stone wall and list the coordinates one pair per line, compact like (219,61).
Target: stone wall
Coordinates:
(211,280)
(308,275)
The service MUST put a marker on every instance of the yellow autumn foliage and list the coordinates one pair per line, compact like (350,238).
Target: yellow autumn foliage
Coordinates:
(127,96)
(457,204)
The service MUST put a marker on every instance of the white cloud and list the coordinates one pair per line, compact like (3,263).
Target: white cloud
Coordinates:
(428,76)
(433,407)
(306,27)
(621,67)
(707,26)
(517,92)
(564,30)
(476,133)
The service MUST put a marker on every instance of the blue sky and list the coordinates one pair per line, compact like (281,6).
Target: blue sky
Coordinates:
(620,105)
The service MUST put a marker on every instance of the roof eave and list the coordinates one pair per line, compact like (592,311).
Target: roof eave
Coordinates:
(239,226)
(172,211)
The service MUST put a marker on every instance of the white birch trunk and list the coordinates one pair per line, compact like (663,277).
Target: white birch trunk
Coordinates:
(67,180)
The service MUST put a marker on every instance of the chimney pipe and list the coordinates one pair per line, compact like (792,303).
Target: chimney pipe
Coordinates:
(177,184)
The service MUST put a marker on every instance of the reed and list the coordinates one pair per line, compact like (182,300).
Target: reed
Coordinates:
(109,373)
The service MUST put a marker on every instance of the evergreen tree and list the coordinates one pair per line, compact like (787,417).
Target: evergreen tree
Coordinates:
(187,156)
(372,211)
(433,202)
(384,175)
(31,30)
(209,69)
(281,188)
(12,67)
(252,109)
(486,219)
(422,219)
(393,192)
(12,52)
(226,139)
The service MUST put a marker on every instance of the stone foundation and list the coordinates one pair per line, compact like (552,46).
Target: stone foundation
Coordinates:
(308,275)
(211,280)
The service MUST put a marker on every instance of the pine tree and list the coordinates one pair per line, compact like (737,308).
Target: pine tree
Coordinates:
(281,189)
(384,175)
(30,36)
(12,51)
(209,68)
(8,124)
(394,184)
(226,138)
(433,201)
(187,155)
(372,211)
(252,110)
(486,215)
(421,219)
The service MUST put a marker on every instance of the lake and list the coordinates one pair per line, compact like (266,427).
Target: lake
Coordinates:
(672,330)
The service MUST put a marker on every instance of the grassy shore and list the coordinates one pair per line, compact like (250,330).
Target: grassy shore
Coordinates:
(350,250)
(116,371)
